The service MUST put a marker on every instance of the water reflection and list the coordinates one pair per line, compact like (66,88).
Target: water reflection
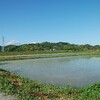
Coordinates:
(3,63)
(77,71)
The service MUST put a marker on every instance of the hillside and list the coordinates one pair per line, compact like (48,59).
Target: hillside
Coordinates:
(51,47)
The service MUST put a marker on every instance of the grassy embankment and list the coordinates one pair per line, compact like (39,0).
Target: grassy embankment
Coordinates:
(26,89)
(40,54)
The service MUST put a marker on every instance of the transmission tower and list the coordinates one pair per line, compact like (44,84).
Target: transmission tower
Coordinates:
(3,44)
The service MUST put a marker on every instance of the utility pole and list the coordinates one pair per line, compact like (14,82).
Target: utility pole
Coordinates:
(3,44)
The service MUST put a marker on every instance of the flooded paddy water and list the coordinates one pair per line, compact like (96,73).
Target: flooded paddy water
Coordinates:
(76,71)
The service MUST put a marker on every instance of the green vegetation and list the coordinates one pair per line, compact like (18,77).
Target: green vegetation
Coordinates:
(5,56)
(26,89)
(47,50)
(47,47)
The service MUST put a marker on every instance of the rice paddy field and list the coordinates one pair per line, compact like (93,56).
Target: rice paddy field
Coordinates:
(23,88)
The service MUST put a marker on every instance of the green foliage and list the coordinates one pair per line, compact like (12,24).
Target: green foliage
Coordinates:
(50,47)
(26,89)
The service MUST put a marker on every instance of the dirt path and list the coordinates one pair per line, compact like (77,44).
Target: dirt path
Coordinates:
(6,97)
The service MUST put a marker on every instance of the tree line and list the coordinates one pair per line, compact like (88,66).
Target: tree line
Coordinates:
(48,46)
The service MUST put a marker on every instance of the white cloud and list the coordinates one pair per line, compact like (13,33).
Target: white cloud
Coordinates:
(13,42)
(34,42)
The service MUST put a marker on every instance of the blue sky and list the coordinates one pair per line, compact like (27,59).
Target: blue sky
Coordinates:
(27,21)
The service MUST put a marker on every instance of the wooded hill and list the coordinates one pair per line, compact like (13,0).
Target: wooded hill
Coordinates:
(48,46)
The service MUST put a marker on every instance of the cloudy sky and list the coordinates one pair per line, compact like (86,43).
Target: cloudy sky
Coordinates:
(27,21)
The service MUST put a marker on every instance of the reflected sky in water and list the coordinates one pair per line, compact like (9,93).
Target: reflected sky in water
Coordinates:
(75,71)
